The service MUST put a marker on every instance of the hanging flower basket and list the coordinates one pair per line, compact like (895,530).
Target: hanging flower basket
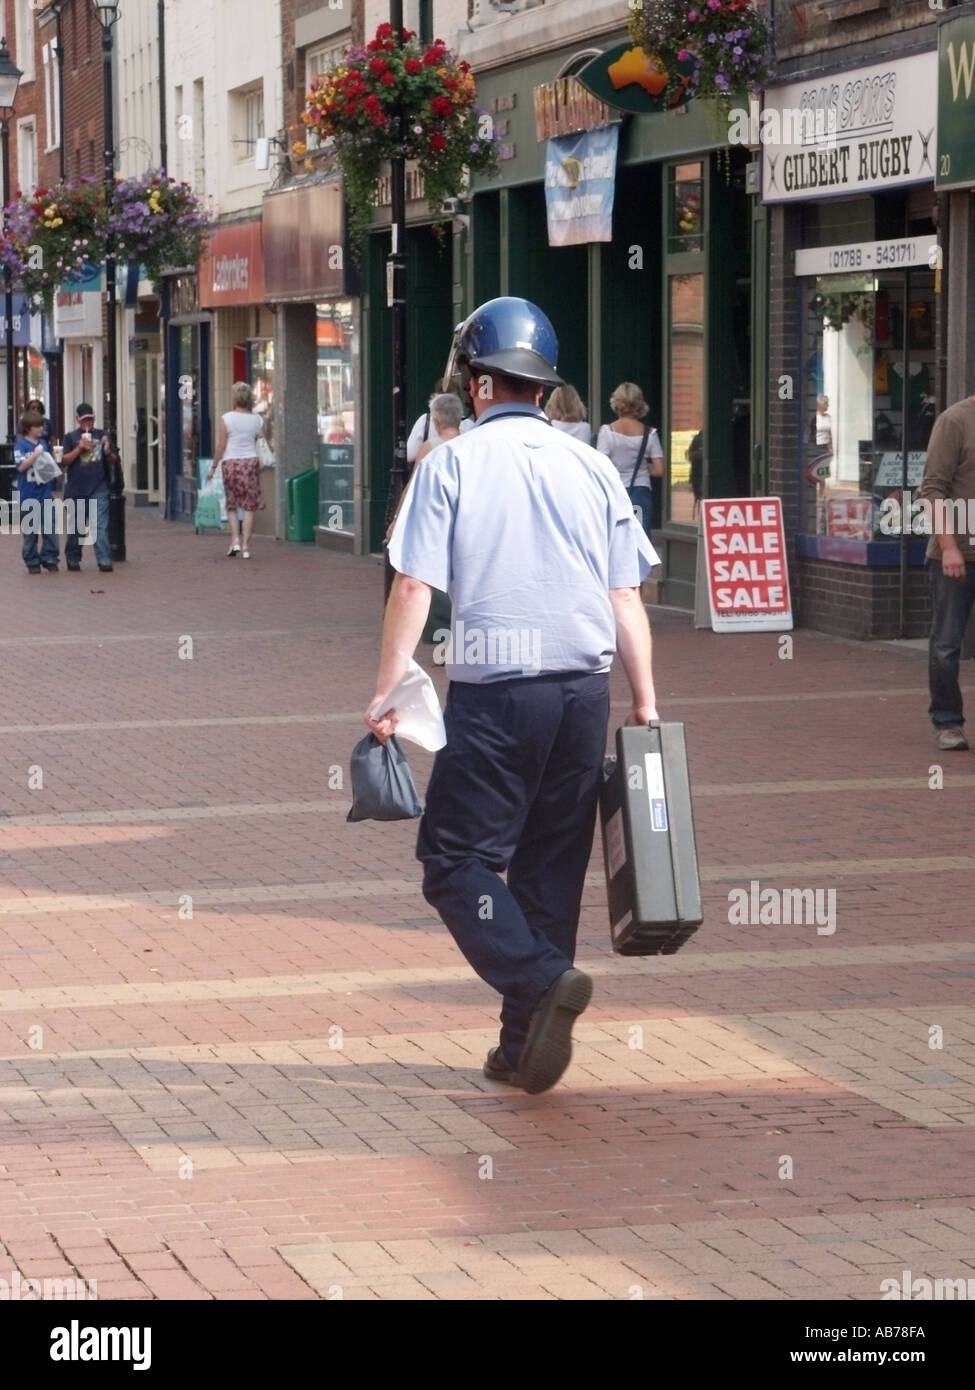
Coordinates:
(54,237)
(397,98)
(729,43)
(158,222)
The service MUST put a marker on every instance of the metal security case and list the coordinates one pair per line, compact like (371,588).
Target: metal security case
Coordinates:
(648,842)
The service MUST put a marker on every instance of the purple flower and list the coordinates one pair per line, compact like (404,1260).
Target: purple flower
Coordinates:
(714,4)
(692,16)
(682,55)
(712,38)
(721,81)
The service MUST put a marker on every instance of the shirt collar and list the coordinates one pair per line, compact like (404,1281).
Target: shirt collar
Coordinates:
(512,408)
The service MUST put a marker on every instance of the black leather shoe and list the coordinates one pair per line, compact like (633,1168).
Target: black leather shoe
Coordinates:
(498,1068)
(51,569)
(106,569)
(74,567)
(548,1047)
(33,569)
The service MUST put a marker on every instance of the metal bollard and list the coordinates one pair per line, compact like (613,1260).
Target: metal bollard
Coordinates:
(116,512)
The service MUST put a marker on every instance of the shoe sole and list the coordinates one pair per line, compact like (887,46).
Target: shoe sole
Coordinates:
(548,1049)
(953,747)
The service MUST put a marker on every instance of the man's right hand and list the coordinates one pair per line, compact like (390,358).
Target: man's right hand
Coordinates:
(641,715)
(952,562)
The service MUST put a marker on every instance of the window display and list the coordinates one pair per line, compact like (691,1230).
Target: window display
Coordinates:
(869,396)
(336,346)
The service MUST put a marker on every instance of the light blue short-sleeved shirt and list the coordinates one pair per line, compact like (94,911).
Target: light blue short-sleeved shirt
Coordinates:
(527,529)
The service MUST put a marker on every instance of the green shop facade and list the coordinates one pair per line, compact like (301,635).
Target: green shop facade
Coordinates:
(674,302)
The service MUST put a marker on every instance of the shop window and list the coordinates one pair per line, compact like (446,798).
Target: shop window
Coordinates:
(868,399)
(685,376)
(335,338)
(685,204)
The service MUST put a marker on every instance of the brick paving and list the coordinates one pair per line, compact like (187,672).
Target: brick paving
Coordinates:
(240,1057)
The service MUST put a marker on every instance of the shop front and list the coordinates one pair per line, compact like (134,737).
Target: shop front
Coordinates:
(313,358)
(662,296)
(231,279)
(858,313)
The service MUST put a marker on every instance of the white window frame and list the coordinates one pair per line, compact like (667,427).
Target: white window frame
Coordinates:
(52,96)
(248,125)
(26,13)
(26,128)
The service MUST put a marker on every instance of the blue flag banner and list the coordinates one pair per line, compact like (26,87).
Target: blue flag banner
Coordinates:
(580,181)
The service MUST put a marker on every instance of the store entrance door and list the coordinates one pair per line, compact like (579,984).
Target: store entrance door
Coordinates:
(148,455)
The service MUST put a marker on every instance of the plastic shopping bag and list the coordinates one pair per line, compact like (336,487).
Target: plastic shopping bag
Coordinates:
(207,512)
(382,784)
(418,713)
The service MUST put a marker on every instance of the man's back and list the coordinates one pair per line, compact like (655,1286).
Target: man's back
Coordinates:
(528,529)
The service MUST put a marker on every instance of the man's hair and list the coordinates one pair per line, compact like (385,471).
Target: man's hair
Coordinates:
(446,410)
(29,419)
(513,385)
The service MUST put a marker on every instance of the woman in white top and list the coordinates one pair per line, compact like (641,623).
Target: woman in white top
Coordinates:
(237,451)
(622,441)
(566,411)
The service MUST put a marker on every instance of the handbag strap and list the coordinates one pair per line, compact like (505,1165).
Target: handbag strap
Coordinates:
(639,457)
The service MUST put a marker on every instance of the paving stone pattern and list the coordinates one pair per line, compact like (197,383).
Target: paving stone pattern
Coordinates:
(240,1057)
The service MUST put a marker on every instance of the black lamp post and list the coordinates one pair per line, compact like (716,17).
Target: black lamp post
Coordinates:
(107,11)
(396,279)
(10,76)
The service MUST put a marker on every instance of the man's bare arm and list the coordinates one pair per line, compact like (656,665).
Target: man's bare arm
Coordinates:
(406,614)
(635,647)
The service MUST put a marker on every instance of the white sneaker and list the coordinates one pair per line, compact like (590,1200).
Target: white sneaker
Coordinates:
(952,737)
(246,554)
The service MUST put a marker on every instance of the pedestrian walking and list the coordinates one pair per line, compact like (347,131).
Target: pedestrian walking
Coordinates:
(424,429)
(566,410)
(36,497)
(532,534)
(635,449)
(237,436)
(948,485)
(88,456)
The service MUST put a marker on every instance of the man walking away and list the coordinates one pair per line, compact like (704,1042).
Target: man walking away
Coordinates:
(532,534)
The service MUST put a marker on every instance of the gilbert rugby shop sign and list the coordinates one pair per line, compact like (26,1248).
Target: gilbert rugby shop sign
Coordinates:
(872,127)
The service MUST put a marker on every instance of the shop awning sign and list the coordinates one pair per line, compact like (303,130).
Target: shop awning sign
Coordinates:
(745,562)
(580,184)
(956,103)
(631,80)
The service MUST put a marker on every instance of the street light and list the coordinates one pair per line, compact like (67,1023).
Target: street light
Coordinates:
(10,76)
(107,11)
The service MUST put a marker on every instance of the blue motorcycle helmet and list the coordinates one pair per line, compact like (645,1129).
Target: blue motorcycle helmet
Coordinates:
(506,335)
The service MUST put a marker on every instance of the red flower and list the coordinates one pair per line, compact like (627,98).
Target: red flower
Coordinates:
(384,31)
(371,102)
(438,142)
(378,65)
(373,45)
(441,106)
(388,79)
(413,65)
(465,67)
(406,35)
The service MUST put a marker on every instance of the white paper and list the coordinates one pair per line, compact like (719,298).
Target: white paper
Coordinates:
(420,718)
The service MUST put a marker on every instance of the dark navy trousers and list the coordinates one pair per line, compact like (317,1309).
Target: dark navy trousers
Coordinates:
(515,788)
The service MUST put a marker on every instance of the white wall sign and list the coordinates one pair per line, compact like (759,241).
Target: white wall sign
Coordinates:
(869,255)
(77,314)
(884,117)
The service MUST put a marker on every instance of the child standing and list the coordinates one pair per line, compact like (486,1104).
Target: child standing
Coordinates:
(36,518)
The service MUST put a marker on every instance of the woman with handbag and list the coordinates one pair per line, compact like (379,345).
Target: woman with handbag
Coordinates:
(635,450)
(237,450)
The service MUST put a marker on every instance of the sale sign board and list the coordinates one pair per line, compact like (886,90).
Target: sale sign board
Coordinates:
(745,563)
(851,517)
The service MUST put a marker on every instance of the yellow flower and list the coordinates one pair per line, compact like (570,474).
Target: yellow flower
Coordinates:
(299,148)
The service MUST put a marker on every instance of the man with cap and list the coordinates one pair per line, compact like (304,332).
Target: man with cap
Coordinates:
(88,453)
(532,533)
